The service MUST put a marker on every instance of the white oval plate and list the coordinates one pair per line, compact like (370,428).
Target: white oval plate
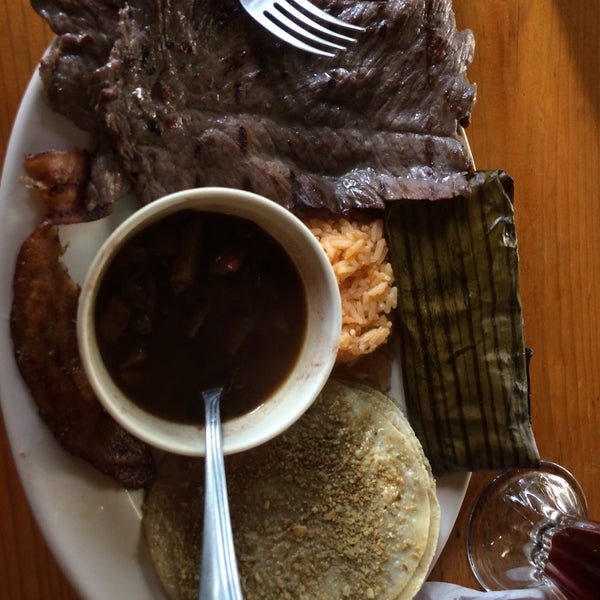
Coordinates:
(91,524)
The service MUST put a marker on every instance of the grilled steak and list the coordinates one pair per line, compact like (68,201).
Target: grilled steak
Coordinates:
(86,33)
(195,93)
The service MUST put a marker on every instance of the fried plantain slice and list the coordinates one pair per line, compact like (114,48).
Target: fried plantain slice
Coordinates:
(61,177)
(44,337)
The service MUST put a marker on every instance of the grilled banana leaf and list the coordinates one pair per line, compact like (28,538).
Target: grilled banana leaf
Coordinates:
(459,315)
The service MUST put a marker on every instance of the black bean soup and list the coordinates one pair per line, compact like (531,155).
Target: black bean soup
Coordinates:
(199,300)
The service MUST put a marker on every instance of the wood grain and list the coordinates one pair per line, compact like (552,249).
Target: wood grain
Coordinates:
(537,116)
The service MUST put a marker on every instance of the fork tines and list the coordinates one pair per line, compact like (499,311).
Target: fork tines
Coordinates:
(297,22)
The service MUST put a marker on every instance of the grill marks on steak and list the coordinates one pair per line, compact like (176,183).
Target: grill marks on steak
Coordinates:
(196,93)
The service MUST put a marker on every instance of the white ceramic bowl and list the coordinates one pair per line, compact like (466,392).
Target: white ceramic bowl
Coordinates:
(317,355)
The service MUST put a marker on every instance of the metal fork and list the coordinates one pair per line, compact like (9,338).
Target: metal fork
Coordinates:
(296,22)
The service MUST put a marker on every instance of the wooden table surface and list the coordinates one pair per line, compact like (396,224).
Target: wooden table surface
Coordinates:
(537,67)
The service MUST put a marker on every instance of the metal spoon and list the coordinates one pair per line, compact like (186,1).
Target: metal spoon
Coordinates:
(219,579)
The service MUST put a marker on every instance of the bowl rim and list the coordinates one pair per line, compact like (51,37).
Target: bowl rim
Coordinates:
(246,431)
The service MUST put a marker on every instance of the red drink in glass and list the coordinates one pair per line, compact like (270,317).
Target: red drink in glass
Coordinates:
(573,562)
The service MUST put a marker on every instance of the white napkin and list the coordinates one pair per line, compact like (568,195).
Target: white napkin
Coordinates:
(434,590)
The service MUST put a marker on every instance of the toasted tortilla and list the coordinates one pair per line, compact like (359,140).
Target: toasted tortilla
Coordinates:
(341,505)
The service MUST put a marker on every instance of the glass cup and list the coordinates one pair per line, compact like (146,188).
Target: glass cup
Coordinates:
(530,527)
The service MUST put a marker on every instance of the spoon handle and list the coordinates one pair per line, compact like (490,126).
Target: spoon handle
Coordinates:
(219,577)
